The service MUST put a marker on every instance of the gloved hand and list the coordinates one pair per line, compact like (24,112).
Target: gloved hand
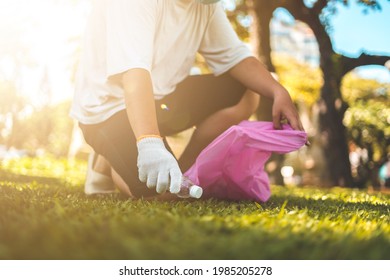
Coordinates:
(157,167)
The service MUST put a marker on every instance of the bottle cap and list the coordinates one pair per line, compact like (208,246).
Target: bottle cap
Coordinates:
(196,191)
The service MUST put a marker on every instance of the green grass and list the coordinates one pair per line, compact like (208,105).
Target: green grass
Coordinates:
(45,215)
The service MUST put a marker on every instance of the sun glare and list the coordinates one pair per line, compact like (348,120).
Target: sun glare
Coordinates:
(39,45)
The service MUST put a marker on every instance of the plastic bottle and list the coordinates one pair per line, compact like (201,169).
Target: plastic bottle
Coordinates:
(189,190)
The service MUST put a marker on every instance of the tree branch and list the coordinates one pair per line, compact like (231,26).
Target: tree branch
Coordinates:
(296,7)
(349,63)
(308,15)
(319,6)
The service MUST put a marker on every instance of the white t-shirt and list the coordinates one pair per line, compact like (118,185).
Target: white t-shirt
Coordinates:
(161,36)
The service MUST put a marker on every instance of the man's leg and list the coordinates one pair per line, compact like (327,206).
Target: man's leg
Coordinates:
(98,178)
(215,125)
(115,142)
(211,104)
(102,166)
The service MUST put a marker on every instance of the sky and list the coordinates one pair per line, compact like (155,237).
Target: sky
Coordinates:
(370,32)
(355,32)
(54,22)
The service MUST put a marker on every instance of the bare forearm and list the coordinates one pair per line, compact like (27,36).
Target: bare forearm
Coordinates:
(140,104)
(252,73)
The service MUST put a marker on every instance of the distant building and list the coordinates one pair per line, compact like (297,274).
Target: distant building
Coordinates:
(294,39)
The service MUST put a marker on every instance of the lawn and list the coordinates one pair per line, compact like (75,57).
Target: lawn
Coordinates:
(45,215)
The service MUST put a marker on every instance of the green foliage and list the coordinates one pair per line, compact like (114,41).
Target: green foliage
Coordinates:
(368,123)
(354,88)
(302,81)
(48,128)
(368,118)
(45,215)
(371,118)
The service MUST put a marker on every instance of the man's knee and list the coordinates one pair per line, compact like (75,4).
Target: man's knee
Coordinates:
(247,106)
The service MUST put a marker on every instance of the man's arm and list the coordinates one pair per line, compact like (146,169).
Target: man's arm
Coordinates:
(139,99)
(252,73)
(157,167)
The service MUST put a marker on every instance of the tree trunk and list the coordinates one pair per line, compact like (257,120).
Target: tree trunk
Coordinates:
(263,12)
(333,135)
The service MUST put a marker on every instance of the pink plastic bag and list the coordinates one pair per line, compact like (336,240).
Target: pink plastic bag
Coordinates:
(232,166)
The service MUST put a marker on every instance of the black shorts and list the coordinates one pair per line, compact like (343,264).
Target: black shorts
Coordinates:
(195,99)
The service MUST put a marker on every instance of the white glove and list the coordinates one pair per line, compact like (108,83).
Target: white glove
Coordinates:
(157,167)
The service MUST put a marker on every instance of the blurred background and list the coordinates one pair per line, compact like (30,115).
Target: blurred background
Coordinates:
(333,56)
